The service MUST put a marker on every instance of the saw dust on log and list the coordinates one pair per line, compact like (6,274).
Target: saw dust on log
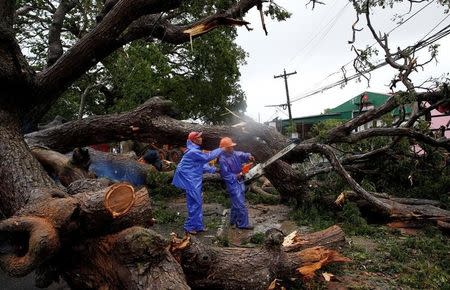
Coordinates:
(316,258)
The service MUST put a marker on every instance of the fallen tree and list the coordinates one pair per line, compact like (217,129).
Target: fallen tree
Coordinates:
(95,241)
(137,257)
(151,120)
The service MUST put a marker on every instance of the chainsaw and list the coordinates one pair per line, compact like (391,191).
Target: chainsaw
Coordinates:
(250,173)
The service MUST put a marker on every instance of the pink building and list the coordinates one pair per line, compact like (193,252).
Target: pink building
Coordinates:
(438,119)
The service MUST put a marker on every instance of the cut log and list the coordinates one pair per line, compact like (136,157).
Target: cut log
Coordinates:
(411,213)
(36,230)
(119,199)
(251,268)
(94,215)
(331,237)
(444,226)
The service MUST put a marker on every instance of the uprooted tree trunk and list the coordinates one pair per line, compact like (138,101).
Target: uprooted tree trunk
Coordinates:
(139,258)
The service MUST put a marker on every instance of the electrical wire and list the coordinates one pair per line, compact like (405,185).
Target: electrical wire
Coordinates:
(388,33)
(313,48)
(321,30)
(420,45)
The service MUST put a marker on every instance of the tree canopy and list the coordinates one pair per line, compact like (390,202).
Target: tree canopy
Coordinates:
(201,77)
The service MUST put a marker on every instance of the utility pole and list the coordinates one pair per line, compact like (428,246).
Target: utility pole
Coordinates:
(285,76)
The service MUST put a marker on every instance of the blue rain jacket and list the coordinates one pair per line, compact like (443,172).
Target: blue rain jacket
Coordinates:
(230,166)
(189,176)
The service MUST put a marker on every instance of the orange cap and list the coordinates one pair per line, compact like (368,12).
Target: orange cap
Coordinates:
(226,142)
(194,135)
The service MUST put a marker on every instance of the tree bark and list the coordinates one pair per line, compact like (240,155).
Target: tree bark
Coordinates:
(22,177)
(152,121)
(410,211)
(60,166)
(256,268)
(135,258)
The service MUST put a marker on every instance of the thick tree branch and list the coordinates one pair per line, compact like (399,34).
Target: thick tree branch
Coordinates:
(93,47)
(154,26)
(55,49)
(151,122)
(15,72)
(346,128)
(24,10)
(329,154)
(406,132)
(106,37)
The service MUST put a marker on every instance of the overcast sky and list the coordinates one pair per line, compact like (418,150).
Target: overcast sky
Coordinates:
(314,43)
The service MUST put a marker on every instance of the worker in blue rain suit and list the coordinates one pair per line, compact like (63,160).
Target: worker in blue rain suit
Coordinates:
(189,177)
(231,162)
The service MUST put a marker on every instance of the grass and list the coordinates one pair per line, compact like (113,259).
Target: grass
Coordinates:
(166,215)
(313,216)
(216,194)
(383,258)
(213,223)
(254,198)
(257,238)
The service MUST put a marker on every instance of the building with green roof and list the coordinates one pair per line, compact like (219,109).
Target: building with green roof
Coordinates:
(344,112)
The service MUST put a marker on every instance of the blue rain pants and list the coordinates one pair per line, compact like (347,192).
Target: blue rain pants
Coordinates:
(230,166)
(189,176)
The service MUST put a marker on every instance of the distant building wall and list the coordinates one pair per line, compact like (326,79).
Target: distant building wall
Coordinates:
(439,119)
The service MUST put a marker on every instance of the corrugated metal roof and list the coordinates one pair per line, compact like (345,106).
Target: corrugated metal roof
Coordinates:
(346,110)
(375,99)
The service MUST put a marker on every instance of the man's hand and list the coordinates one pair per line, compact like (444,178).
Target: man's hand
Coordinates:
(251,158)
(239,175)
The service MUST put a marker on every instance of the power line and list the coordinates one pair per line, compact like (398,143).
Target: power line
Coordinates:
(388,33)
(440,22)
(332,22)
(308,53)
(411,16)
(420,45)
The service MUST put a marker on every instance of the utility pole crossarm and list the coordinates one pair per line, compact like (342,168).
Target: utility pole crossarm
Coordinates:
(285,76)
